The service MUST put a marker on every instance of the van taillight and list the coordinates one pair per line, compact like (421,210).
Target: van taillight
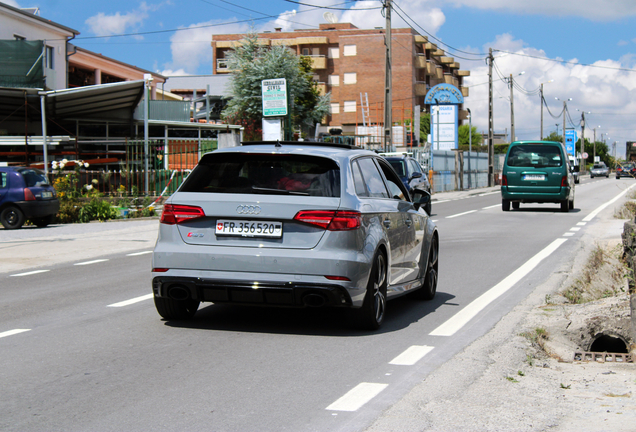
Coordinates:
(504,180)
(174,214)
(28,195)
(331,220)
(564,181)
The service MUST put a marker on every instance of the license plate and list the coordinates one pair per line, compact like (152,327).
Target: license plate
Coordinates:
(533,177)
(246,228)
(46,194)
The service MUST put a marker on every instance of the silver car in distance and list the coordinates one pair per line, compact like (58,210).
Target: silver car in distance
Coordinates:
(294,224)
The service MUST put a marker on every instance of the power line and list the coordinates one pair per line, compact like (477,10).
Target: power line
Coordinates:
(568,62)
(330,7)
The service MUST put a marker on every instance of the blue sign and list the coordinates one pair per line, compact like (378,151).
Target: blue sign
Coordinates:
(570,141)
(444,94)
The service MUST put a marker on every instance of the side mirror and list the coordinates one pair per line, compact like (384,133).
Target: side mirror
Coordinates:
(415,175)
(420,198)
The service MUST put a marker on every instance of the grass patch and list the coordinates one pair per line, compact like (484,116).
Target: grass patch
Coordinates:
(537,337)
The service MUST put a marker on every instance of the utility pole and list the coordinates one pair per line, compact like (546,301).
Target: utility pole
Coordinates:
(564,144)
(582,140)
(388,105)
(491,147)
(541,102)
(512,113)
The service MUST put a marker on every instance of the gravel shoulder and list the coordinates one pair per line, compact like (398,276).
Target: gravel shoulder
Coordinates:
(504,382)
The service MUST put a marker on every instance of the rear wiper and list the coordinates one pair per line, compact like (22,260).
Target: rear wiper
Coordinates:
(277,191)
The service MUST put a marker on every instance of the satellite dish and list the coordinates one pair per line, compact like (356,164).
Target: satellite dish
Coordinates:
(329,17)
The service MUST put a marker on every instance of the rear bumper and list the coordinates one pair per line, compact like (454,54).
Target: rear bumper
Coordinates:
(530,197)
(38,209)
(289,294)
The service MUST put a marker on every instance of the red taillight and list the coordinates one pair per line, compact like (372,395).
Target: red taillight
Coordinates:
(504,180)
(160,270)
(175,214)
(28,195)
(331,220)
(564,181)
(338,278)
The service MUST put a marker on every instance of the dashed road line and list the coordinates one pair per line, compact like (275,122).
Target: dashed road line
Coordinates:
(355,398)
(492,206)
(13,332)
(131,301)
(461,214)
(602,207)
(29,273)
(411,355)
(91,262)
(139,253)
(568,234)
(461,318)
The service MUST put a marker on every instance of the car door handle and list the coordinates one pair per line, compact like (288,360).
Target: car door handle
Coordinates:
(387,223)
(408,222)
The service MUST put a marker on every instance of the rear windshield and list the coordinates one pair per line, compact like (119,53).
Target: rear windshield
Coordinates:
(398,166)
(33,178)
(533,155)
(265,174)
(599,166)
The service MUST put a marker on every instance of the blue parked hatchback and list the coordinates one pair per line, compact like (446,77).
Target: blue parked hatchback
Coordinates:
(25,193)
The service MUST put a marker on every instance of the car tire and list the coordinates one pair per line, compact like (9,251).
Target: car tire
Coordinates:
(176,309)
(515,205)
(617,177)
(505,205)
(591,176)
(371,315)
(565,206)
(12,217)
(429,287)
(571,205)
(44,221)
(576,181)
(428,208)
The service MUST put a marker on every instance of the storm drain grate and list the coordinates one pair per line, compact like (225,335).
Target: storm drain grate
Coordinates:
(603,357)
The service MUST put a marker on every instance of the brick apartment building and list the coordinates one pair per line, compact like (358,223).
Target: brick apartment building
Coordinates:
(350,62)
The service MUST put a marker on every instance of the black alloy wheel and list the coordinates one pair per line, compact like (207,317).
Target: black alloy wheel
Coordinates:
(428,290)
(12,217)
(371,315)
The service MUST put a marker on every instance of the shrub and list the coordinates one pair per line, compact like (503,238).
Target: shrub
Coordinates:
(97,209)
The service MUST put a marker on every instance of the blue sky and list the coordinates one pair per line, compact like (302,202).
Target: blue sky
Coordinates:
(586,48)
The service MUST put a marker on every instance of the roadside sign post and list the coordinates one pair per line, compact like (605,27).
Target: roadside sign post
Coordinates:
(275,100)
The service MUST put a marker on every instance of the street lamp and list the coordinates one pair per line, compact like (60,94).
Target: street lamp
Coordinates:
(583,138)
(564,108)
(595,143)
(541,102)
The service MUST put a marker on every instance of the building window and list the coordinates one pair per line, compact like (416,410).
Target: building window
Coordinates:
(349,50)
(315,51)
(349,106)
(335,108)
(334,52)
(334,80)
(305,51)
(350,78)
(49,57)
(316,78)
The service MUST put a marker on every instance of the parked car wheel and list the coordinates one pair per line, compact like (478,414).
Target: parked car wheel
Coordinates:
(571,205)
(44,221)
(515,205)
(176,309)
(371,315)
(591,176)
(428,208)
(12,217)
(505,205)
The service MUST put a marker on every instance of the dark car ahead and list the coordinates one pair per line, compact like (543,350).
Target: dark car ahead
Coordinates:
(625,170)
(25,193)
(411,174)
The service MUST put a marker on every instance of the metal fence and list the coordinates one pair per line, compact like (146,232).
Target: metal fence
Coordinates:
(475,170)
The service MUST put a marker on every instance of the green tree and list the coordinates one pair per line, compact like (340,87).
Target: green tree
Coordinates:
(425,127)
(252,63)
(463,136)
(554,137)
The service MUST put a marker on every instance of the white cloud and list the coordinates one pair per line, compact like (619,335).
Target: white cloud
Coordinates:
(107,25)
(605,91)
(595,10)
(11,3)
(170,72)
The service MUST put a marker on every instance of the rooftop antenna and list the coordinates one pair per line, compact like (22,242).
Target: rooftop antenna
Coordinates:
(330,17)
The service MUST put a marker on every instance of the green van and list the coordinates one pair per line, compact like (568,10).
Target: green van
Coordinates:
(537,172)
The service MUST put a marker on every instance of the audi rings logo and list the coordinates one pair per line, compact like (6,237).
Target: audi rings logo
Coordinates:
(248,209)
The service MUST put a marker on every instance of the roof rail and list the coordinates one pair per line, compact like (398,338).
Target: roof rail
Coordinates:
(302,143)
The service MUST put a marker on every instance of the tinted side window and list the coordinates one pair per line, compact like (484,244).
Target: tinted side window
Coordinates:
(3,180)
(358,180)
(415,167)
(372,178)
(395,185)
(33,178)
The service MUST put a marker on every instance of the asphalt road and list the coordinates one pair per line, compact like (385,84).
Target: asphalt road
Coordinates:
(82,347)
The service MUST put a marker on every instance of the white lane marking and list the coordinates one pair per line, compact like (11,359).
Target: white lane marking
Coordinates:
(461,214)
(489,207)
(131,301)
(489,193)
(602,207)
(575,229)
(442,201)
(434,221)
(13,332)
(411,355)
(568,234)
(462,317)
(91,262)
(357,397)
(29,273)
(139,253)
(582,223)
